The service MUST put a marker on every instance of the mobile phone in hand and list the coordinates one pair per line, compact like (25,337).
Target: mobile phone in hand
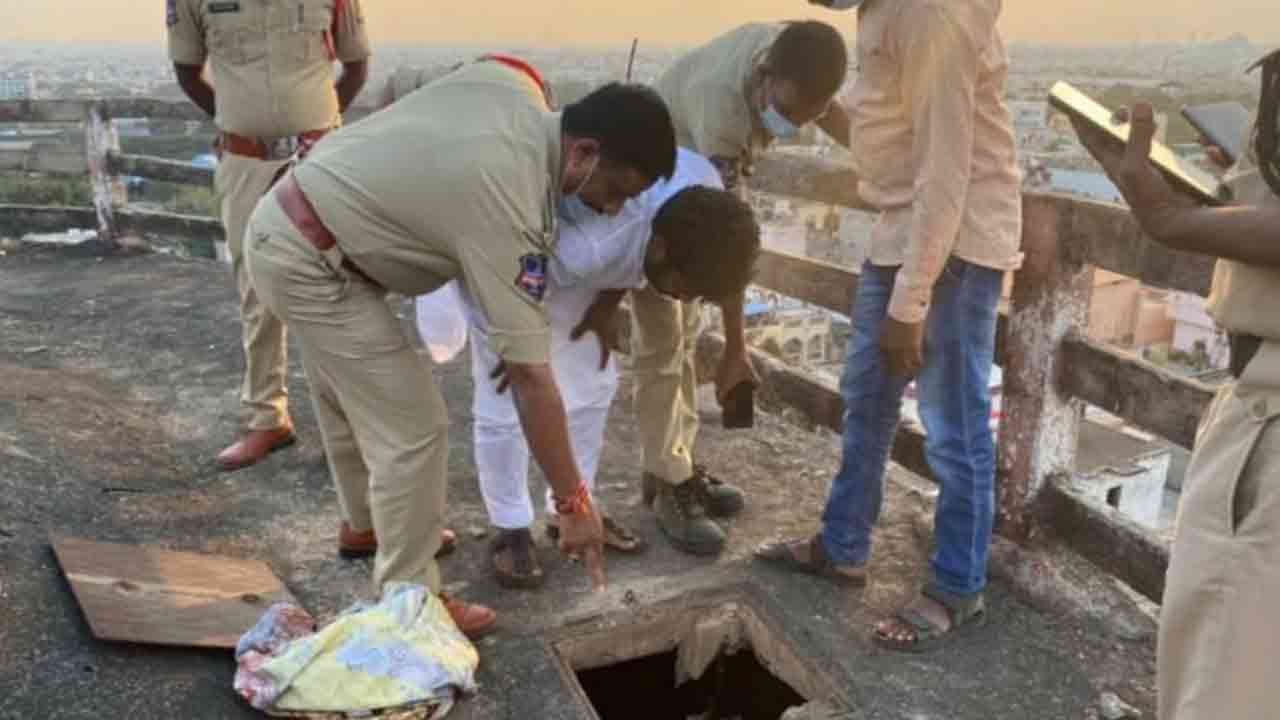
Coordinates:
(1224,125)
(739,407)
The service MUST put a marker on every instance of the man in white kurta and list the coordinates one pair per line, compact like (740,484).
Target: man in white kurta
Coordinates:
(594,254)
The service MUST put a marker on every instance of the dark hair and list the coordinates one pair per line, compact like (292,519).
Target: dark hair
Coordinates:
(712,239)
(632,125)
(812,55)
(1266,135)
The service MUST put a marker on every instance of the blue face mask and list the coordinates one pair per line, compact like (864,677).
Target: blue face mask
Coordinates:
(777,124)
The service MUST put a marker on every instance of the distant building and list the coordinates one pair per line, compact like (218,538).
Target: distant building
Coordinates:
(1083,183)
(1195,334)
(17,89)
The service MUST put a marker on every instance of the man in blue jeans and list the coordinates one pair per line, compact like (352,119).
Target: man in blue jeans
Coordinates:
(934,148)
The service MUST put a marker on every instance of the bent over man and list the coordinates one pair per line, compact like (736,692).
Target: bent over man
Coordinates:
(729,99)
(459,180)
(273,93)
(686,238)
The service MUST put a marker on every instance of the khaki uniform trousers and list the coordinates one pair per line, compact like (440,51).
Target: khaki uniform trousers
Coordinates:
(1219,644)
(239,183)
(381,415)
(663,341)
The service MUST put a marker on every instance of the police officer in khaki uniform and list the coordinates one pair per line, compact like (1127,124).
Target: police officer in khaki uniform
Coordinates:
(459,180)
(1219,640)
(273,93)
(729,99)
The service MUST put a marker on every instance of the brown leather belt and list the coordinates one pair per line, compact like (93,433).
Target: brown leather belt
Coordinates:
(303,215)
(277,150)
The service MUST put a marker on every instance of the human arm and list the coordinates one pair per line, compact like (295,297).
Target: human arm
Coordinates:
(350,82)
(546,429)
(836,123)
(196,87)
(1247,234)
(188,51)
(351,47)
(939,74)
(735,364)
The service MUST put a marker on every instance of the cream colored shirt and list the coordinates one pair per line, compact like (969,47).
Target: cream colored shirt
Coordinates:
(708,91)
(458,180)
(933,142)
(1246,298)
(271,60)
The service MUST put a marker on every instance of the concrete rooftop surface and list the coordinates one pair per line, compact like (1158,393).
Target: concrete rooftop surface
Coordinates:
(119,380)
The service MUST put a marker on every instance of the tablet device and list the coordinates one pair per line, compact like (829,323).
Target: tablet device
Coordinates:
(1224,124)
(1184,176)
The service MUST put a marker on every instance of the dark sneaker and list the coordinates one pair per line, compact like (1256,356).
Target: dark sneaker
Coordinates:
(721,499)
(684,521)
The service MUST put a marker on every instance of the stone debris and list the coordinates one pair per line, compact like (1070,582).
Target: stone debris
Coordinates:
(1113,708)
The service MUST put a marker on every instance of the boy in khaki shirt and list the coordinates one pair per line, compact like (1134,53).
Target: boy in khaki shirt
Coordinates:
(729,99)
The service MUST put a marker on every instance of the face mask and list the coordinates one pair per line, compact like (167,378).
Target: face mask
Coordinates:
(777,124)
(839,4)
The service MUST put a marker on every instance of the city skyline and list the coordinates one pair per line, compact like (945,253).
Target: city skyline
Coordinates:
(578,22)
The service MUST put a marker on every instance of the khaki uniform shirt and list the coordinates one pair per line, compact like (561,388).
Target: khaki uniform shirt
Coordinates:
(408,78)
(708,91)
(933,142)
(458,180)
(1246,298)
(271,60)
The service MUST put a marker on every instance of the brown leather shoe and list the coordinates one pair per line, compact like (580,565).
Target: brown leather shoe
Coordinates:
(352,544)
(473,620)
(255,445)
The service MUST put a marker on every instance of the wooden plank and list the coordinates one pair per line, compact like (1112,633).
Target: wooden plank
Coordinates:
(1148,396)
(806,177)
(1039,427)
(18,220)
(829,286)
(140,594)
(155,168)
(1107,538)
(1106,235)
(73,110)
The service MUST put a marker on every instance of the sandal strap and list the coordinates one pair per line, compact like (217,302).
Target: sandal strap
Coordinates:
(520,544)
(960,608)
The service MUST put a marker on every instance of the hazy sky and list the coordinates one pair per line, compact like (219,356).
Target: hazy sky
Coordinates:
(552,22)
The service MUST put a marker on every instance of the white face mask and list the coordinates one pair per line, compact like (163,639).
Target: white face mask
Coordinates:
(777,124)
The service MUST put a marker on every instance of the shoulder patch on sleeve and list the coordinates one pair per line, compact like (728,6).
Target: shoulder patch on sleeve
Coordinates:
(170,13)
(532,278)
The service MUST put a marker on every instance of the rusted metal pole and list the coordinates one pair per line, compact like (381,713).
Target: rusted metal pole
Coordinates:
(108,191)
(1040,425)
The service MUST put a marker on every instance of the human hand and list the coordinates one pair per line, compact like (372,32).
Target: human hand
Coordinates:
(735,369)
(903,347)
(582,536)
(1154,203)
(604,319)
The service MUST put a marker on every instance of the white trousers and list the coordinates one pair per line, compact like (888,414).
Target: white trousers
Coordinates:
(502,455)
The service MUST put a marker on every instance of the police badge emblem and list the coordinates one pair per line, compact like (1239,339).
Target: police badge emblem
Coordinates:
(533,275)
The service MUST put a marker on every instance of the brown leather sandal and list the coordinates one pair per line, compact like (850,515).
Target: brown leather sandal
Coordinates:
(514,560)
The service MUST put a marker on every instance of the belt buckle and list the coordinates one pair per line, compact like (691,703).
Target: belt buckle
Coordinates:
(282,148)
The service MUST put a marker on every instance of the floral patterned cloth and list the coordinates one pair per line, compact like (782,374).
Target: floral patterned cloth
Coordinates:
(403,653)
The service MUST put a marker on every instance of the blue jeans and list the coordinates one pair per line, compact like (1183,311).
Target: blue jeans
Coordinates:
(955,407)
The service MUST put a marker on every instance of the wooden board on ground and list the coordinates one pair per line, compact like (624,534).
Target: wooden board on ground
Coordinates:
(141,594)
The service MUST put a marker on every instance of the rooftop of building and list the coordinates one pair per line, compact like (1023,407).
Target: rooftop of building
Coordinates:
(119,379)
